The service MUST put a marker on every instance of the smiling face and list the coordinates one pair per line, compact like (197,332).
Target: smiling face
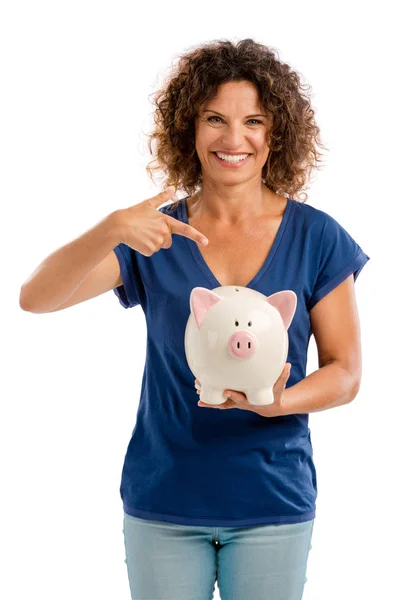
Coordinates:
(232,123)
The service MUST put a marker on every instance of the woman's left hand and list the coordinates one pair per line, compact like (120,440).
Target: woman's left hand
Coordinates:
(239,400)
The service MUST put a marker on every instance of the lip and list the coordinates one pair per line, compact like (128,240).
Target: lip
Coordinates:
(227,165)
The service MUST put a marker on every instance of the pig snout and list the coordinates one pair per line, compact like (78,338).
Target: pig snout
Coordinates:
(242,344)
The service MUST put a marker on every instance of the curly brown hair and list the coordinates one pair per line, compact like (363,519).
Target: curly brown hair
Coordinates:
(293,135)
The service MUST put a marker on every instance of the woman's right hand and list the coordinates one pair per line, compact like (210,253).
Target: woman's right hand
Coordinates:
(146,229)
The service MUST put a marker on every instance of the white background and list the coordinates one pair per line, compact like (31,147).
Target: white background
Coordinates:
(76,81)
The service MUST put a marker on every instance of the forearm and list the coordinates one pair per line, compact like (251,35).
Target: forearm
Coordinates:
(328,387)
(63,271)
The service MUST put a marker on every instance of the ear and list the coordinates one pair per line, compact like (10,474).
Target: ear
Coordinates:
(285,302)
(201,300)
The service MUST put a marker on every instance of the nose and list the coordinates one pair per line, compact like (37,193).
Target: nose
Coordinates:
(242,344)
(233,137)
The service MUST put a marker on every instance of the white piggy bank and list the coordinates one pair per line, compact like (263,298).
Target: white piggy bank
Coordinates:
(236,338)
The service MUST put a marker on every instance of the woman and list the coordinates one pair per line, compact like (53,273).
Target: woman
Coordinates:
(223,496)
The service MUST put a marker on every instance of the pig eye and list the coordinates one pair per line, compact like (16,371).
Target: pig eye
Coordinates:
(236,323)
(249,323)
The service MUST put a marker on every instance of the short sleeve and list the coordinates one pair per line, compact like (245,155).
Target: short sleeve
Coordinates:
(129,292)
(340,256)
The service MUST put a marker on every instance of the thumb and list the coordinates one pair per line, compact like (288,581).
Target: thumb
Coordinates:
(162,197)
(285,372)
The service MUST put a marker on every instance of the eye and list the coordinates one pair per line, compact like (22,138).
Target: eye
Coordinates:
(237,323)
(249,323)
(209,119)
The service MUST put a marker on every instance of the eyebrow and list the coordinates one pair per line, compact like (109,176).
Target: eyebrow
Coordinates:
(221,115)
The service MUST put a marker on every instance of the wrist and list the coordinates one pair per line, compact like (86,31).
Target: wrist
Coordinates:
(114,228)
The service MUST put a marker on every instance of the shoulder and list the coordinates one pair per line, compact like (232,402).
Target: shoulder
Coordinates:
(172,209)
(314,220)
(310,212)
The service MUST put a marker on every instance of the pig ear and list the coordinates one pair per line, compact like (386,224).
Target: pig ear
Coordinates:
(285,302)
(201,300)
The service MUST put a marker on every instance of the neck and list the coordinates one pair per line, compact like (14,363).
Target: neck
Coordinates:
(230,209)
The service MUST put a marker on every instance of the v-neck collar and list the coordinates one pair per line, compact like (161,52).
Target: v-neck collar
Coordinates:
(199,259)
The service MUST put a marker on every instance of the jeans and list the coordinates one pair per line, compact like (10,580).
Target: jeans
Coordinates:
(166,561)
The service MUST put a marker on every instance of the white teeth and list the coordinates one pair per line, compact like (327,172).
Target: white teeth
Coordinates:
(230,158)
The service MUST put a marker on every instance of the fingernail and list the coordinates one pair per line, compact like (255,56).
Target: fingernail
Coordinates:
(204,241)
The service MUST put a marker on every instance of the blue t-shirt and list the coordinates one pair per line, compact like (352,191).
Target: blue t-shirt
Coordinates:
(224,468)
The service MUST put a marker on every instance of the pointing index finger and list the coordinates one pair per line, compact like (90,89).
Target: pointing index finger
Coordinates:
(186,230)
